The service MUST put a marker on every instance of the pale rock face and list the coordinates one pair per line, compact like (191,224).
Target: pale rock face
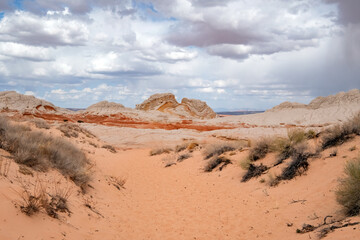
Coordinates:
(105,107)
(199,108)
(341,99)
(156,101)
(11,100)
(166,102)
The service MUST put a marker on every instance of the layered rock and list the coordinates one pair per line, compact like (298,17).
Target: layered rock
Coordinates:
(13,101)
(166,102)
(105,107)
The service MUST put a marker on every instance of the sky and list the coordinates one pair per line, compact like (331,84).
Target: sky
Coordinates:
(233,54)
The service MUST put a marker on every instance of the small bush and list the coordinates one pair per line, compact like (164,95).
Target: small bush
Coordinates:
(40,152)
(159,151)
(348,191)
(192,146)
(341,133)
(311,134)
(254,171)
(110,148)
(260,149)
(217,149)
(73,130)
(181,147)
(41,123)
(298,164)
(182,157)
(216,161)
(245,163)
(33,201)
(353,148)
(296,136)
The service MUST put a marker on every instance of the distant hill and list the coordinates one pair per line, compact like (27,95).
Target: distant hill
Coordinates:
(239,112)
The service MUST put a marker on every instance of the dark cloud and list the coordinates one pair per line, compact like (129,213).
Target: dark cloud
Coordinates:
(204,34)
(5,5)
(348,10)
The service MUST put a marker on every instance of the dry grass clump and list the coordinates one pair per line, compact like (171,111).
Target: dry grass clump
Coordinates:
(41,123)
(183,157)
(110,148)
(72,130)
(348,191)
(41,152)
(215,162)
(38,199)
(260,149)
(181,147)
(118,182)
(159,151)
(298,165)
(216,149)
(341,133)
(254,171)
(5,164)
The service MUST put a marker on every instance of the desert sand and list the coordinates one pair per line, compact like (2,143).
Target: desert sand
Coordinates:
(133,195)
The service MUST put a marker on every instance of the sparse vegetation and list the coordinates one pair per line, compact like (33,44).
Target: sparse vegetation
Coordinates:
(159,151)
(110,148)
(72,130)
(341,133)
(41,123)
(245,163)
(117,182)
(181,147)
(216,161)
(214,150)
(5,164)
(311,134)
(298,165)
(348,191)
(260,149)
(353,148)
(182,157)
(254,171)
(41,152)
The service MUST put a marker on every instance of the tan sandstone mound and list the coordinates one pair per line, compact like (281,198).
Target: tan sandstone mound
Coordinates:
(340,99)
(13,101)
(105,107)
(166,102)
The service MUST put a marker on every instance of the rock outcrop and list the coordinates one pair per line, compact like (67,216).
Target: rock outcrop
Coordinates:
(105,107)
(166,102)
(341,99)
(159,102)
(13,101)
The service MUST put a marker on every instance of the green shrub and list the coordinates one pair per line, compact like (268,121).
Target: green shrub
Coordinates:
(348,191)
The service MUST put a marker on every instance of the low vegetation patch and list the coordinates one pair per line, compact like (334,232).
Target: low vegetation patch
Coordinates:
(110,148)
(214,150)
(41,152)
(41,123)
(341,133)
(260,149)
(215,162)
(183,157)
(73,130)
(254,171)
(348,191)
(159,151)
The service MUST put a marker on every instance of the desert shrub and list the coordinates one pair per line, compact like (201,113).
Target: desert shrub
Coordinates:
(40,152)
(216,161)
(310,134)
(298,165)
(118,182)
(353,148)
(341,133)
(260,149)
(348,191)
(192,146)
(213,150)
(245,163)
(182,157)
(254,171)
(181,147)
(159,151)
(110,148)
(33,201)
(72,130)
(296,136)
(41,123)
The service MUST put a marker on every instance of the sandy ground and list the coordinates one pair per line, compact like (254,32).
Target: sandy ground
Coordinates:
(177,202)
